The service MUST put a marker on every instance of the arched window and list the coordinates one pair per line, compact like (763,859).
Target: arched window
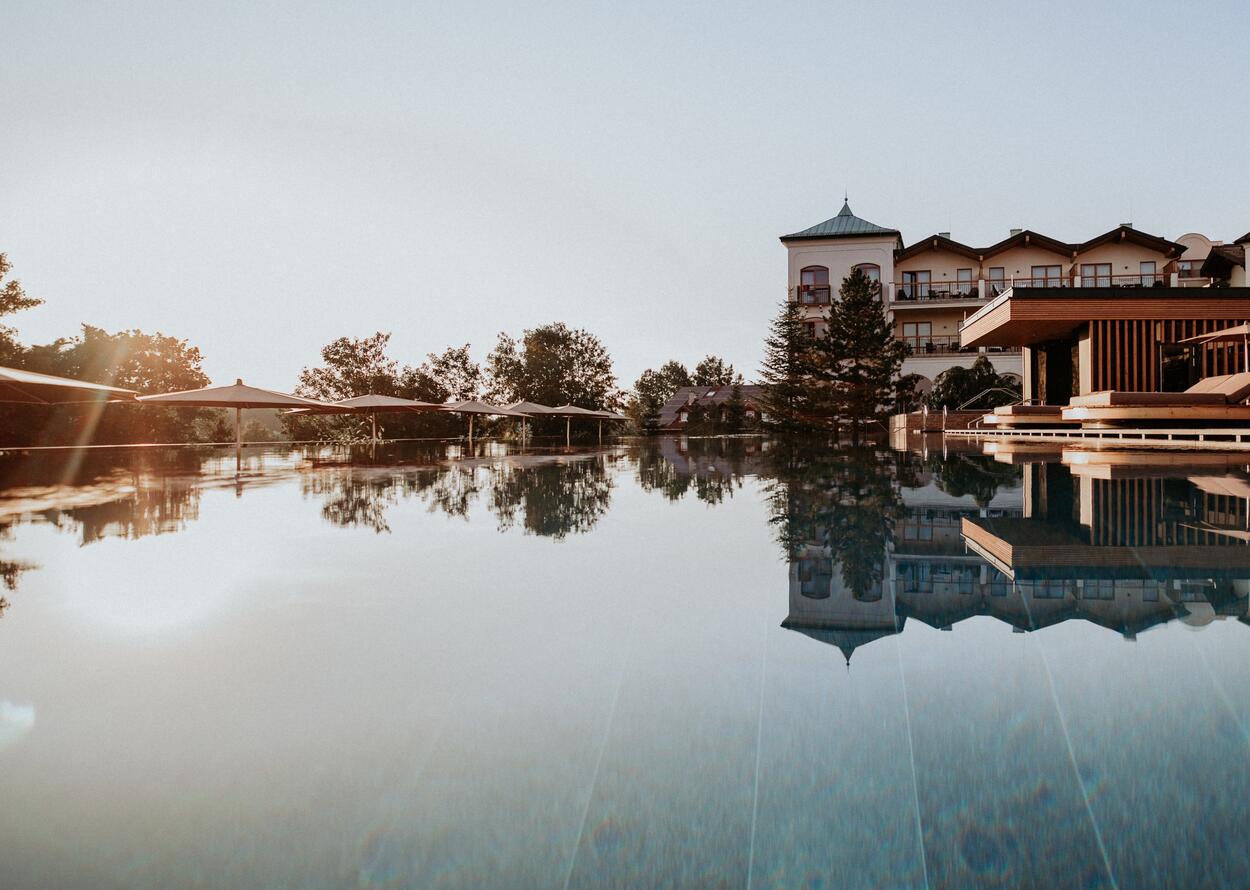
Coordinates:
(814,285)
(872,270)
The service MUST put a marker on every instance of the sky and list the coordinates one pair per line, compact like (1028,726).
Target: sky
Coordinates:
(261,179)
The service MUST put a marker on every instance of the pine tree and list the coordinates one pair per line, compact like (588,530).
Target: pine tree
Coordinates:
(863,357)
(788,368)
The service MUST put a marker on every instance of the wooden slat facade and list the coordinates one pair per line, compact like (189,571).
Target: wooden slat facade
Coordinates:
(1125,354)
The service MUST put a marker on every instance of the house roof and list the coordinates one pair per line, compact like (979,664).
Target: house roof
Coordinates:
(1128,233)
(1028,238)
(845,225)
(705,395)
(1220,261)
(1243,239)
(937,242)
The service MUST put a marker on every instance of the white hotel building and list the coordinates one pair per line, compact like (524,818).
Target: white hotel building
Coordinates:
(931,286)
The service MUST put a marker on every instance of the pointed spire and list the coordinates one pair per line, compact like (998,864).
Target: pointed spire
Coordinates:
(846,208)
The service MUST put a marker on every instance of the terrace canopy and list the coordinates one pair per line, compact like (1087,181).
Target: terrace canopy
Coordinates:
(28,388)
(238,397)
(1089,339)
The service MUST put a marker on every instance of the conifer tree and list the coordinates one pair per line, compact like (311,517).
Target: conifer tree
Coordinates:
(787,372)
(862,355)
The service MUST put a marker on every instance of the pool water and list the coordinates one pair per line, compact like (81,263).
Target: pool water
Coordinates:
(670,663)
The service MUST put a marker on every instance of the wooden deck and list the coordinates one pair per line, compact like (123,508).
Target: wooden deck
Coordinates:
(1175,439)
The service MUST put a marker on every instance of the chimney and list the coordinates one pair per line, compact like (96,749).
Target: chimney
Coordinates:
(1126,225)
(1015,232)
(946,235)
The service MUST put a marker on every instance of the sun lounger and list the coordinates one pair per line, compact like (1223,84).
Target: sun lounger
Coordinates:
(1220,399)
(1014,416)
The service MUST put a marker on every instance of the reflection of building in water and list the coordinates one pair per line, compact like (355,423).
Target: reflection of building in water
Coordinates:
(1121,544)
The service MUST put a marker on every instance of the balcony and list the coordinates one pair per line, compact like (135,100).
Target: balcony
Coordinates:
(935,292)
(814,294)
(948,344)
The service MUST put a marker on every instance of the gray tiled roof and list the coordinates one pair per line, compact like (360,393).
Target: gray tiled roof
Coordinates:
(844,225)
(705,395)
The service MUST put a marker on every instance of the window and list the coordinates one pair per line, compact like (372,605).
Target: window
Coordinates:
(915,285)
(918,335)
(1095,275)
(1048,276)
(998,280)
(964,278)
(814,285)
(1147,271)
(871,270)
(811,328)
(1185,268)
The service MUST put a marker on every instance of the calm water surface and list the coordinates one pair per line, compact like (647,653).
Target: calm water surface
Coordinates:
(718,663)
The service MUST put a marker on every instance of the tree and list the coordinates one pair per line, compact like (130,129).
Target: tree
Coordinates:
(453,373)
(714,371)
(147,363)
(958,386)
(552,365)
(787,374)
(862,355)
(12,299)
(652,389)
(352,368)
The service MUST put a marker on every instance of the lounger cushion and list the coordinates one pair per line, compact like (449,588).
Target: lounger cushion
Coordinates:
(1236,389)
(1109,397)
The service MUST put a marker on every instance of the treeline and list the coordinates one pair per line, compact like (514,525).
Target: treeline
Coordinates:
(552,364)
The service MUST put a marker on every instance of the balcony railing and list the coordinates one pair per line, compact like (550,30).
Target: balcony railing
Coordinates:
(948,344)
(945,290)
(1146,279)
(814,294)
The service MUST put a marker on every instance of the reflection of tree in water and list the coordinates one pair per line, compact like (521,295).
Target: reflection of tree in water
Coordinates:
(972,474)
(713,467)
(845,502)
(353,499)
(553,499)
(10,569)
(139,506)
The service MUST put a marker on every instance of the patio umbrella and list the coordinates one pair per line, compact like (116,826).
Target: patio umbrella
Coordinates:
(238,397)
(1236,334)
(530,408)
(373,405)
(471,407)
(568,412)
(607,415)
(29,388)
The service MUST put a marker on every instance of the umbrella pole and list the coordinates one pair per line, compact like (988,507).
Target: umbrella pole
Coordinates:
(567,422)
(374,418)
(470,432)
(238,439)
(601,432)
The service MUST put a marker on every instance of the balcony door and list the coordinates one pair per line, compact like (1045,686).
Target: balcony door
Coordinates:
(814,285)
(916,285)
(1048,276)
(1095,275)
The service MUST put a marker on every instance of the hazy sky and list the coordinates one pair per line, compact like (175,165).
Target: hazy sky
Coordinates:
(263,178)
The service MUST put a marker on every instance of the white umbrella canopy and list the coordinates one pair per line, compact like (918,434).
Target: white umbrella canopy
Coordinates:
(370,404)
(373,405)
(28,388)
(1236,334)
(470,406)
(238,396)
